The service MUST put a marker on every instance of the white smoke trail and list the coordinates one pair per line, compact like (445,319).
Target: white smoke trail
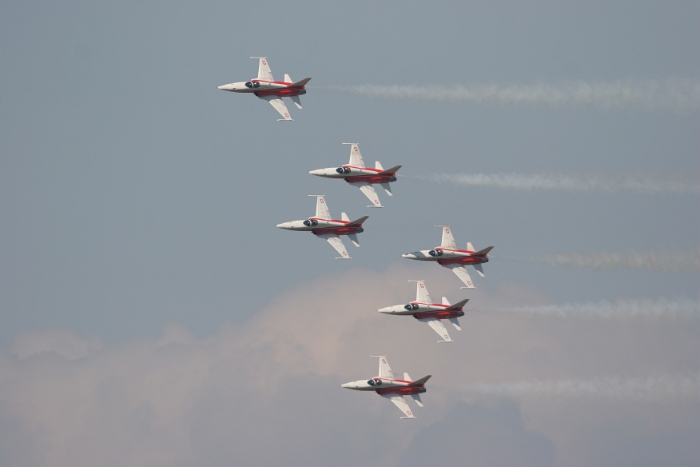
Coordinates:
(673,94)
(641,183)
(655,387)
(608,261)
(620,310)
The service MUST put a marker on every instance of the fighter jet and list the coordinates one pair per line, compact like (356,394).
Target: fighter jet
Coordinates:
(448,256)
(393,389)
(425,311)
(324,226)
(265,87)
(356,174)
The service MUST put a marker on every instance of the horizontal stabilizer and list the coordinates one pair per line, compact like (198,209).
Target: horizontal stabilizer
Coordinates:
(484,251)
(359,221)
(354,240)
(422,381)
(300,83)
(391,170)
(479,269)
(458,305)
(455,323)
(416,397)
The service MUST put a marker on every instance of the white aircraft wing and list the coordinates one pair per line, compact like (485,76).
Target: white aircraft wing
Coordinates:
(385,369)
(322,210)
(337,243)
(422,294)
(355,155)
(462,274)
(369,192)
(437,326)
(400,402)
(279,106)
(264,71)
(448,241)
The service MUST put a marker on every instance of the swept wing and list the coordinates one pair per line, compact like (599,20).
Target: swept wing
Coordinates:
(369,192)
(279,106)
(400,402)
(462,273)
(437,326)
(336,243)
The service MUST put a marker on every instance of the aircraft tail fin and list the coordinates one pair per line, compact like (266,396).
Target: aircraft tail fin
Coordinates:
(391,170)
(421,381)
(484,251)
(470,247)
(457,305)
(358,221)
(344,217)
(406,377)
(445,301)
(287,78)
(378,165)
(301,83)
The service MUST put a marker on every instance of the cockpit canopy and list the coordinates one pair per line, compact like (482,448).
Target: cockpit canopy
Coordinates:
(252,85)
(413,306)
(310,222)
(373,382)
(435,253)
(343,170)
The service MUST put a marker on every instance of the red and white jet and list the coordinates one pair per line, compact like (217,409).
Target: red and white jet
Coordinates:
(425,311)
(448,256)
(356,174)
(393,389)
(324,226)
(265,87)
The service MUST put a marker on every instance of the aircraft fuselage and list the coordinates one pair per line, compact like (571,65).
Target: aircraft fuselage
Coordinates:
(386,386)
(322,226)
(421,310)
(262,88)
(352,174)
(445,256)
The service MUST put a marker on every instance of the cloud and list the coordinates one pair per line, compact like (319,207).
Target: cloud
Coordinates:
(266,392)
(672,94)
(479,434)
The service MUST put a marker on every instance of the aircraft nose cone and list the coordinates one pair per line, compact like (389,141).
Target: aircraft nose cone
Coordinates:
(408,255)
(226,87)
(316,172)
(346,385)
(284,225)
(385,310)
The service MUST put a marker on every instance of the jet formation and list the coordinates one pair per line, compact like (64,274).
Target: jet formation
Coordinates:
(265,87)
(323,225)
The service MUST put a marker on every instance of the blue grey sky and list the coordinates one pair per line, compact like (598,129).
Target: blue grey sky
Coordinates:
(135,195)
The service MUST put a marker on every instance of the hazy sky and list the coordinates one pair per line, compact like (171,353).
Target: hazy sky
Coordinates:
(152,314)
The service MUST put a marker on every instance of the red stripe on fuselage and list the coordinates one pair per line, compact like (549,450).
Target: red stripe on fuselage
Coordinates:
(371,178)
(439,314)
